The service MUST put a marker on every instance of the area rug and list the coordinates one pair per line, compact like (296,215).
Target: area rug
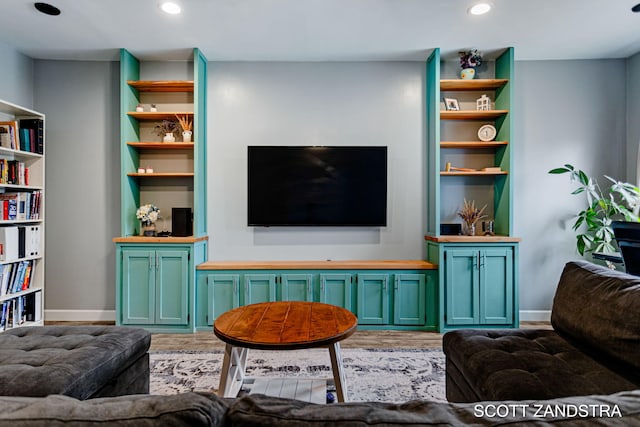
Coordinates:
(373,375)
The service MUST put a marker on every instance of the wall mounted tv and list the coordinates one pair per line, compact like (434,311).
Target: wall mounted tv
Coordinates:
(317,186)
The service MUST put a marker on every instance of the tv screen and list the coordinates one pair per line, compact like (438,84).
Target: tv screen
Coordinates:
(308,186)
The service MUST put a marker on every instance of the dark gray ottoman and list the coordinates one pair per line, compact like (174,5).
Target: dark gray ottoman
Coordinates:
(77,361)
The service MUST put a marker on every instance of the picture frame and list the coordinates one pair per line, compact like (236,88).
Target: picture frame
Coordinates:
(451,104)
(8,135)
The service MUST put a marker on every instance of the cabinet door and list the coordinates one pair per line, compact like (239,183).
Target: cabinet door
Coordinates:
(335,289)
(373,299)
(222,295)
(259,288)
(138,287)
(496,286)
(409,299)
(172,287)
(296,287)
(462,286)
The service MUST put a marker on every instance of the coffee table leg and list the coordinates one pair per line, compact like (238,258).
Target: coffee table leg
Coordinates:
(232,374)
(338,372)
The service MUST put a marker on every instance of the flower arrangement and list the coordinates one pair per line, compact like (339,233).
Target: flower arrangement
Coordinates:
(470,214)
(470,59)
(148,214)
(621,201)
(185,123)
(167,126)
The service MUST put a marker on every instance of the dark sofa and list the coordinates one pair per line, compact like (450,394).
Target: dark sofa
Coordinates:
(594,347)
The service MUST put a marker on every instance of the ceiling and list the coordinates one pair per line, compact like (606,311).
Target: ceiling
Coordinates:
(321,30)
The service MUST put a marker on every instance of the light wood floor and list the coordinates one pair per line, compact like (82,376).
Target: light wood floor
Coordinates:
(203,341)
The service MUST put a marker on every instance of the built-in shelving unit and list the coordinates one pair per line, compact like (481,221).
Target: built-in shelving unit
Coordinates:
(156,275)
(478,274)
(22,256)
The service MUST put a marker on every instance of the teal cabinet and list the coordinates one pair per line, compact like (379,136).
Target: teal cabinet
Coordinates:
(222,295)
(155,287)
(335,289)
(373,299)
(296,287)
(479,286)
(259,288)
(410,299)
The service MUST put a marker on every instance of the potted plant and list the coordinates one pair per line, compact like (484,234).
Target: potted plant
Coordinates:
(469,60)
(186,125)
(167,129)
(620,201)
(148,215)
(470,216)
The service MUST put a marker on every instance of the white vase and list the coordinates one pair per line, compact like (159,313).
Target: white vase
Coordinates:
(186,136)
(468,74)
(169,137)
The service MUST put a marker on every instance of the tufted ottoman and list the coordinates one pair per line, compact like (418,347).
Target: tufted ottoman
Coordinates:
(77,361)
(593,349)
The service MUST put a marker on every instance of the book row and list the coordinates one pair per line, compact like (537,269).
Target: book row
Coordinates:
(23,135)
(13,172)
(18,242)
(16,277)
(25,308)
(20,206)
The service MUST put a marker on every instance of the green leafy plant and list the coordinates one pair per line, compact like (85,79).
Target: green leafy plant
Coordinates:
(621,201)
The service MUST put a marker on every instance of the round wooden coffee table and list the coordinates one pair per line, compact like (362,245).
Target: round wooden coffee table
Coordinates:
(284,325)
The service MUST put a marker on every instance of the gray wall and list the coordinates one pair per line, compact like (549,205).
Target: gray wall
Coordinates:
(16,77)
(633,119)
(81,102)
(567,112)
(315,104)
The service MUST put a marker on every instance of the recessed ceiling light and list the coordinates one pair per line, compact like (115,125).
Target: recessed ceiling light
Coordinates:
(480,8)
(636,8)
(170,8)
(47,9)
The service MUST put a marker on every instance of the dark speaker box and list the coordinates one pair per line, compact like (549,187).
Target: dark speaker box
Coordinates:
(450,229)
(181,222)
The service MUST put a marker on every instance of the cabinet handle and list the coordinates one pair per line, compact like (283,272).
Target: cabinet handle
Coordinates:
(157,261)
(478,262)
(396,284)
(150,263)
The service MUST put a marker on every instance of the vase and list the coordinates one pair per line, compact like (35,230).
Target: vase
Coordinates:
(468,74)
(186,136)
(149,229)
(468,229)
(169,137)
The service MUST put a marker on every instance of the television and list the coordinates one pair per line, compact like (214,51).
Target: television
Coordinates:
(317,186)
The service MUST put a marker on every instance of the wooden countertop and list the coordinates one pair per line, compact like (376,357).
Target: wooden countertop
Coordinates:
(319,265)
(169,239)
(472,239)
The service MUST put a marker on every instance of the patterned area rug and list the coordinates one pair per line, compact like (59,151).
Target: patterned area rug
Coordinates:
(372,374)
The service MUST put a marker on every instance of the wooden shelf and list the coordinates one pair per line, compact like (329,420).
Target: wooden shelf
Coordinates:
(476,84)
(162,175)
(472,144)
(159,115)
(162,85)
(162,145)
(319,265)
(472,239)
(472,173)
(473,115)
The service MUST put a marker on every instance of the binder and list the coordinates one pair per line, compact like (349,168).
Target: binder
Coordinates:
(10,243)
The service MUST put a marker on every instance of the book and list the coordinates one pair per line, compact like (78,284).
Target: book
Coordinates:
(26,282)
(36,134)
(9,238)
(23,138)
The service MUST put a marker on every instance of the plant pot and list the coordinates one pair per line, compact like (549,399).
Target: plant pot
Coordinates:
(468,229)
(186,136)
(169,137)
(468,74)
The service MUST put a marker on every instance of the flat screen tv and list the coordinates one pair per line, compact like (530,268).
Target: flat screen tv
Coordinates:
(317,186)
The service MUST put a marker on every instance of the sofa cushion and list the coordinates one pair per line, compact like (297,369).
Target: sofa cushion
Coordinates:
(188,409)
(526,364)
(75,361)
(598,308)
(260,410)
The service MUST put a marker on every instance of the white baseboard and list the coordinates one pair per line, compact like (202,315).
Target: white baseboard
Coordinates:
(535,315)
(80,315)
